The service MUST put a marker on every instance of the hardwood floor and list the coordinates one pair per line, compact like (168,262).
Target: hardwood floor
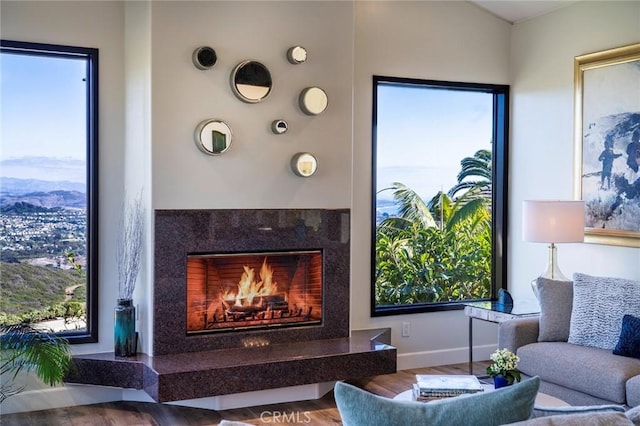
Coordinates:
(314,412)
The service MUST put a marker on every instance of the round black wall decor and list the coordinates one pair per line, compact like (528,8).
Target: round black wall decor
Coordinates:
(204,57)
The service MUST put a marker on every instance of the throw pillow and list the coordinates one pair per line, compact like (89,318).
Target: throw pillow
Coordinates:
(510,404)
(629,342)
(556,301)
(599,304)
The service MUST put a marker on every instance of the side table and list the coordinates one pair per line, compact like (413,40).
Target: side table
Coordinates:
(496,313)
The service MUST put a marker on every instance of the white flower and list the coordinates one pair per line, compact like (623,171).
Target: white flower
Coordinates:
(503,361)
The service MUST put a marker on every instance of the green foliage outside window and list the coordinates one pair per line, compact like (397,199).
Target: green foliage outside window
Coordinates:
(438,251)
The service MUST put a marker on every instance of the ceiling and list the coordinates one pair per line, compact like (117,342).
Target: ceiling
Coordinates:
(517,11)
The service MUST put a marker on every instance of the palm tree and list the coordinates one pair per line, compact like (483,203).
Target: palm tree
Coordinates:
(23,347)
(441,211)
(479,168)
(412,210)
(449,212)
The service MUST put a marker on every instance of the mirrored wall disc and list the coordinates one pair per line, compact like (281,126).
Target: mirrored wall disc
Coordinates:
(297,55)
(251,81)
(313,101)
(304,164)
(213,137)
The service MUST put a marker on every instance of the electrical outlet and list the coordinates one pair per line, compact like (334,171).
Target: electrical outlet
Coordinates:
(406,329)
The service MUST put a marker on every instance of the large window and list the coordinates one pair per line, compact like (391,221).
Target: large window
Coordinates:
(439,185)
(49,188)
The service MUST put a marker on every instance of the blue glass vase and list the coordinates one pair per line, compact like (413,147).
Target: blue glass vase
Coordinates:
(500,382)
(125,341)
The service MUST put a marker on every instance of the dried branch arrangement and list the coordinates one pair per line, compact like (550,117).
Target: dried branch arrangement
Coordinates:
(129,251)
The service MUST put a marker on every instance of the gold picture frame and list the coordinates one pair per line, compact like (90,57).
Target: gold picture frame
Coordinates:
(607,144)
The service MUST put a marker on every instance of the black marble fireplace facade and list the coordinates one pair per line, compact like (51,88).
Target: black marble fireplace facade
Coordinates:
(179,233)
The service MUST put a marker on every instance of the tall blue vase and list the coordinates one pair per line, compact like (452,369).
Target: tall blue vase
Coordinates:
(125,341)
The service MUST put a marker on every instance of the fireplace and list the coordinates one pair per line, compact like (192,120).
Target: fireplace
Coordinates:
(297,334)
(203,257)
(251,291)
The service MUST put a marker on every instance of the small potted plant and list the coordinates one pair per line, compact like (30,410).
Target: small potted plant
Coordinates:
(504,368)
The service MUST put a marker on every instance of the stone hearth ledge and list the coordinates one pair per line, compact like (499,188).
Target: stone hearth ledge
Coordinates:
(194,375)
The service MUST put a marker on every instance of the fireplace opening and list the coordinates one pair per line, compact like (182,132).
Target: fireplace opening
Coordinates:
(240,291)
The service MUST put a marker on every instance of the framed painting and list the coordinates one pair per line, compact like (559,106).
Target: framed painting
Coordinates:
(607,144)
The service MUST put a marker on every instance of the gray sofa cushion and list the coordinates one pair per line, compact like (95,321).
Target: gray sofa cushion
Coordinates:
(587,419)
(634,415)
(590,370)
(556,301)
(633,392)
(554,411)
(599,303)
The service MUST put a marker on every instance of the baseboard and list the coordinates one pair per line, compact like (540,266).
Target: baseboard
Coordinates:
(58,397)
(257,398)
(407,361)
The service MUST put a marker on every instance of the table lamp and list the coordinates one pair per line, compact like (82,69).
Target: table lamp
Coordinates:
(552,221)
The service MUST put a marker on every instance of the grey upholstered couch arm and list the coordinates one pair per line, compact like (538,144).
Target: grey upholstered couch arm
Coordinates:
(517,332)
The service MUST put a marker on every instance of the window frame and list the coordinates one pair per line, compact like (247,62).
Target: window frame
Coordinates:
(90,334)
(499,225)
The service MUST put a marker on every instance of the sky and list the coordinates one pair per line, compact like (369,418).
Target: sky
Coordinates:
(43,117)
(423,133)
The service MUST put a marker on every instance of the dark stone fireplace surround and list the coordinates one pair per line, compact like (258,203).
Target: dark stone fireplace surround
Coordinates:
(179,233)
(191,366)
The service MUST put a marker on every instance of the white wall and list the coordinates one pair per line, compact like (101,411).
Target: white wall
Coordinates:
(255,172)
(138,148)
(542,147)
(453,41)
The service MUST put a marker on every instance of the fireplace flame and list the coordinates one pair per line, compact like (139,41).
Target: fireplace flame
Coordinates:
(250,289)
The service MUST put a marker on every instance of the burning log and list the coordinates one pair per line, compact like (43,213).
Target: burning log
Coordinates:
(239,313)
(244,309)
(275,303)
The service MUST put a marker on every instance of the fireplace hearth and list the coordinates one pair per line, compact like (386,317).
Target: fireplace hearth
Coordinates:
(246,293)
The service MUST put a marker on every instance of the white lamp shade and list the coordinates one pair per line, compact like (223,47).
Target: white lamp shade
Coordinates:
(553,221)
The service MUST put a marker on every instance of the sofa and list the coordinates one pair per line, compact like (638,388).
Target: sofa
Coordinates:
(585,345)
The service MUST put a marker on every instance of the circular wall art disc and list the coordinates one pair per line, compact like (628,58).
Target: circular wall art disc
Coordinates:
(297,55)
(251,81)
(204,57)
(279,127)
(313,101)
(304,164)
(213,137)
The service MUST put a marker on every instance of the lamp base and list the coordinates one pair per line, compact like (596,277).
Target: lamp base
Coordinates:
(552,272)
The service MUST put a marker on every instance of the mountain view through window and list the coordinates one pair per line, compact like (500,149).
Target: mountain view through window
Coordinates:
(44,196)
